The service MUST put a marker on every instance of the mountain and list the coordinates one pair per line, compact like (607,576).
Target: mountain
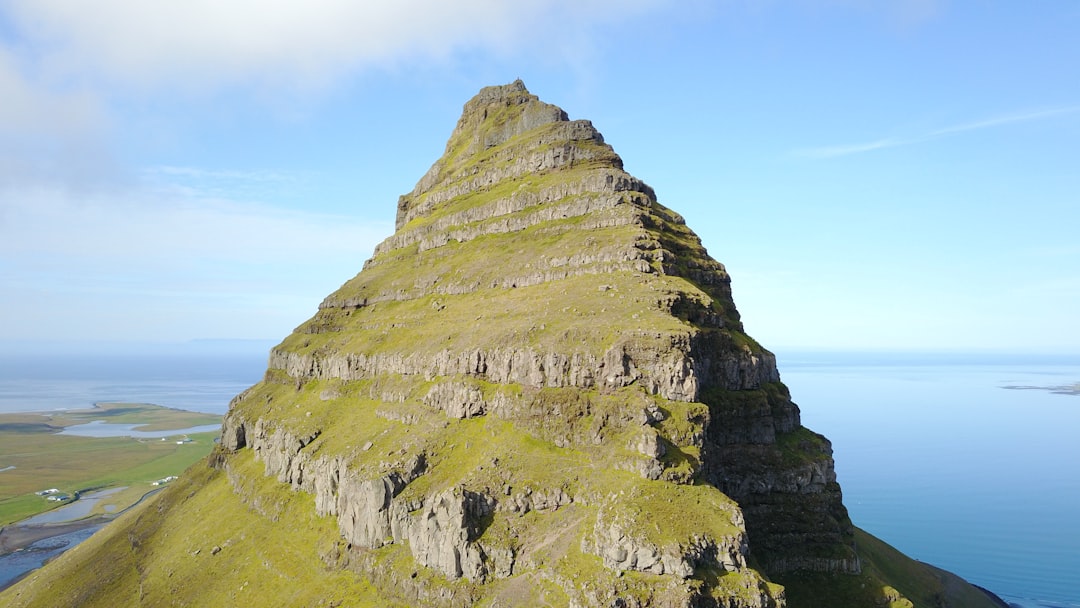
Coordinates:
(538,391)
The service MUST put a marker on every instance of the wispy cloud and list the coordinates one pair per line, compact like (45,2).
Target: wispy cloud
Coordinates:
(168,266)
(196,182)
(258,175)
(48,130)
(206,43)
(893,142)
(70,70)
(148,228)
(1055,251)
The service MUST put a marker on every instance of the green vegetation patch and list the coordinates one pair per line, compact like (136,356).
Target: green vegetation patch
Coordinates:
(668,514)
(462,159)
(583,314)
(515,461)
(456,266)
(889,578)
(147,416)
(803,446)
(209,547)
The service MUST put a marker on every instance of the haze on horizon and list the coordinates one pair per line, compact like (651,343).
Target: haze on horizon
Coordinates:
(874,175)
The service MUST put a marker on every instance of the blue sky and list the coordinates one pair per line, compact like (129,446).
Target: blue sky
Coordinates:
(875,175)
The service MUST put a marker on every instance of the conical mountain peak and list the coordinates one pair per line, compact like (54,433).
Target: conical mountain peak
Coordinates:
(504,131)
(536,392)
(507,95)
(497,114)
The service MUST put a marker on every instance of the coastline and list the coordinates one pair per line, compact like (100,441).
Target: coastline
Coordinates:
(99,406)
(993,596)
(18,536)
(14,537)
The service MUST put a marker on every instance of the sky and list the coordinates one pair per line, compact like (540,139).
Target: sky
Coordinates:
(899,175)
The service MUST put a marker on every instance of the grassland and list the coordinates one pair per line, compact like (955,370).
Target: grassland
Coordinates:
(43,459)
(152,560)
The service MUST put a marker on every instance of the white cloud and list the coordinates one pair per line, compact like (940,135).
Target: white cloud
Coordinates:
(847,149)
(67,67)
(163,266)
(1004,120)
(209,42)
(201,183)
(893,142)
(151,228)
(47,130)
(176,251)
(30,108)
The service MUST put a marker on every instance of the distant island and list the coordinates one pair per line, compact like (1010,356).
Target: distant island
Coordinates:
(1067,389)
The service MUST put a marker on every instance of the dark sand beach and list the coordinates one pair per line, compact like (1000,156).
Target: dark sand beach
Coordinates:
(15,536)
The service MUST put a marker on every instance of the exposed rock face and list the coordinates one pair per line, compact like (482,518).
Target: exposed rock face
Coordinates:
(542,375)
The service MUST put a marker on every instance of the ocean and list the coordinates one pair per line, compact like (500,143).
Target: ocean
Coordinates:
(199,382)
(939,458)
(935,455)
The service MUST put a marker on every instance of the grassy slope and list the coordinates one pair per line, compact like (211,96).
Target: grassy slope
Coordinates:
(162,553)
(275,552)
(460,452)
(889,578)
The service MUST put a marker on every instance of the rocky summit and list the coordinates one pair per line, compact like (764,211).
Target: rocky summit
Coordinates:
(537,392)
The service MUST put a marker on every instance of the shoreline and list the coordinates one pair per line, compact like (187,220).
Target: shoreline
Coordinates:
(97,405)
(993,596)
(25,538)
(15,537)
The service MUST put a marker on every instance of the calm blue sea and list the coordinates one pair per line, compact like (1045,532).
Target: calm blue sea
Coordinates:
(197,382)
(934,455)
(937,458)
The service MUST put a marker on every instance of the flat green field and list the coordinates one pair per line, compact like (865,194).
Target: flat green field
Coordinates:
(34,457)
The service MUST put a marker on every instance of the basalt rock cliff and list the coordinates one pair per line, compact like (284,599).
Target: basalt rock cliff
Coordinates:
(538,391)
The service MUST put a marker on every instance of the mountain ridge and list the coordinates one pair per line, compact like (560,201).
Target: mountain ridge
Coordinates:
(539,388)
